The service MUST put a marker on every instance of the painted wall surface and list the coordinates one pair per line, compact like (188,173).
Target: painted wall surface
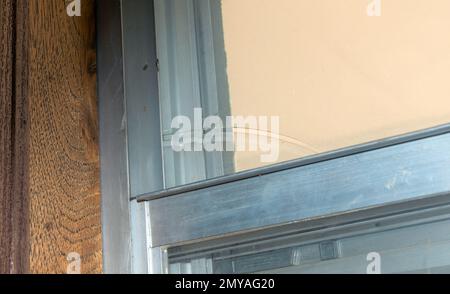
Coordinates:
(336,76)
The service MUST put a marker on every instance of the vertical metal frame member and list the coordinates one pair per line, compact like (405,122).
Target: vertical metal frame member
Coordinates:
(377,174)
(143,126)
(130,140)
(113,140)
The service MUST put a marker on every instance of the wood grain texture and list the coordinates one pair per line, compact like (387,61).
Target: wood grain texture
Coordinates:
(64,159)
(14,221)
(6,91)
(49,166)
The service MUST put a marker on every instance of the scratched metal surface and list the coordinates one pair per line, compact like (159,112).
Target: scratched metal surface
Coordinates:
(114,178)
(396,173)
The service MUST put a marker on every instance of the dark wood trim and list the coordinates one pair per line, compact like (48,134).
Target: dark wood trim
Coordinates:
(14,245)
(6,100)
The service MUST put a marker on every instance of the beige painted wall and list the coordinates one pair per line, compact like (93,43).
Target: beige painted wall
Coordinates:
(335,76)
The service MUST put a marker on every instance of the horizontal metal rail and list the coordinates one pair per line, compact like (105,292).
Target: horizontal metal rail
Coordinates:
(348,151)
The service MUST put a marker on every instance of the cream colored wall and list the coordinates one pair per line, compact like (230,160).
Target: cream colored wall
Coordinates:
(335,76)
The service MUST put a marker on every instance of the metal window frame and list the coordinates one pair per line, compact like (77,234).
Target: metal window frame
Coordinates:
(138,228)
(274,246)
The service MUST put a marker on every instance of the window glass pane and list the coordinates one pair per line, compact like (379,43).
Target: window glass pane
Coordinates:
(306,76)
(385,246)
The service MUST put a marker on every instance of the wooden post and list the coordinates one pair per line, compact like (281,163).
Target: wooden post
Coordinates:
(49,169)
